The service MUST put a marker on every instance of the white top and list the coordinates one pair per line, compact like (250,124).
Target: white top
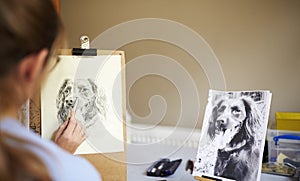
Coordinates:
(61,164)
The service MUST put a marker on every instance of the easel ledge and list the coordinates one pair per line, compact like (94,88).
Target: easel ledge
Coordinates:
(208,178)
(203,179)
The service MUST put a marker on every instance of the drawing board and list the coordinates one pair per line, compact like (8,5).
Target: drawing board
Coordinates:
(94,87)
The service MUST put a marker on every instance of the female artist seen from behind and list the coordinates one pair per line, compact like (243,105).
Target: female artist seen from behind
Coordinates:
(30,32)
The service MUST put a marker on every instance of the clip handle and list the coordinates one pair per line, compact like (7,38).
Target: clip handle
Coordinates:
(85,42)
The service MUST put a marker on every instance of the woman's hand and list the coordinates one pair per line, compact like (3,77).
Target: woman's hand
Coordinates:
(70,134)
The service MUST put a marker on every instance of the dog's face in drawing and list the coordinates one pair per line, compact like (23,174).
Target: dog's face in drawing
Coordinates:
(82,95)
(85,92)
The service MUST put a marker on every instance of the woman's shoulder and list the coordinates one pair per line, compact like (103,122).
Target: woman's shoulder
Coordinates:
(67,166)
(61,164)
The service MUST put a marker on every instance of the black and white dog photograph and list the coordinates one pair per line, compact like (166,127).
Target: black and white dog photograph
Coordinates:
(233,133)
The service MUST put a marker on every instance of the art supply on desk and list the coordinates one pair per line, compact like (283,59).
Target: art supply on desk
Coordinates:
(277,169)
(288,121)
(283,153)
(283,142)
(163,168)
(283,159)
(189,166)
(294,165)
(284,167)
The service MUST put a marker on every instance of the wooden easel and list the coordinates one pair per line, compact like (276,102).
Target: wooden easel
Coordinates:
(109,169)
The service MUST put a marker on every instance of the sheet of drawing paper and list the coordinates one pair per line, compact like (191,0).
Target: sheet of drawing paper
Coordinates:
(92,87)
(233,133)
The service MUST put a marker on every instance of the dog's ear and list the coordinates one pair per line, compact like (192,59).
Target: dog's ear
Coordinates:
(60,99)
(101,102)
(100,98)
(212,122)
(253,116)
(60,96)
(93,85)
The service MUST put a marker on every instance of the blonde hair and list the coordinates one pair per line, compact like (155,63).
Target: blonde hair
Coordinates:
(19,163)
(26,27)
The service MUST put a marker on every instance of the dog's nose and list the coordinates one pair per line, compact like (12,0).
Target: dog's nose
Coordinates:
(222,122)
(69,102)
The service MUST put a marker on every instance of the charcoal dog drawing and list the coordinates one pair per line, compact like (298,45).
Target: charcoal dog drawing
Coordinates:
(87,99)
(93,87)
(232,139)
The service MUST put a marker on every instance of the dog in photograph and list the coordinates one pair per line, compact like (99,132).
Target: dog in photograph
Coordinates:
(85,97)
(233,126)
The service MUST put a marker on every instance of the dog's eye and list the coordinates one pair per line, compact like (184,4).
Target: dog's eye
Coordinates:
(67,91)
(235,110)
(84,90)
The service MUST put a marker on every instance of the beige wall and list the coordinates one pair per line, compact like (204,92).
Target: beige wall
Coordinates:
(257,43)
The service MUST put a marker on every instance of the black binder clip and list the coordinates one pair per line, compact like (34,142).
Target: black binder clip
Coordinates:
(85,49)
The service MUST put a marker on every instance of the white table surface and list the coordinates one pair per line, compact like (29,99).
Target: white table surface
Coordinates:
(140,157)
